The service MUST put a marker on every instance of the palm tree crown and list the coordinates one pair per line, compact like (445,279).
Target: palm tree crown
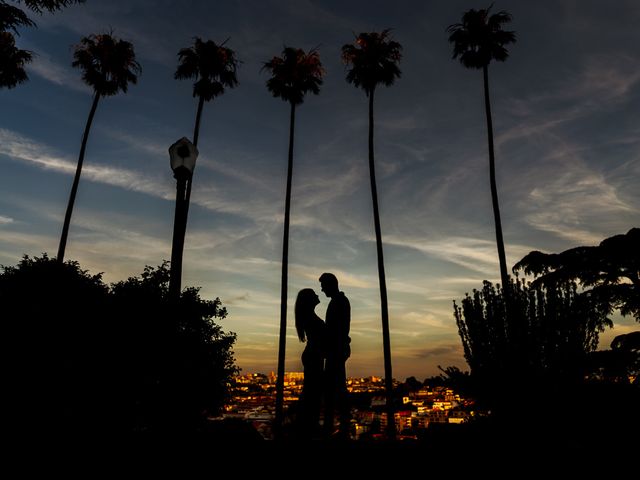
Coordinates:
(12,61)
(39,6)
(294,74)
(480,37)
(213,66)
(374,58)
(108,64)
(12,17)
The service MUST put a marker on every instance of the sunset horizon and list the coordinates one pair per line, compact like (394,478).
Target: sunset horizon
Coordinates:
(565,108)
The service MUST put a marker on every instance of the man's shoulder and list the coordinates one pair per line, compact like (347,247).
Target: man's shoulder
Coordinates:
(342,299)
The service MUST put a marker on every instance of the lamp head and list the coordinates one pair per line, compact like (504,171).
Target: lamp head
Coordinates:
(183,155)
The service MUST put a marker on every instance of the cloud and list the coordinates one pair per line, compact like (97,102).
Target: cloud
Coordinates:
(211,197)
(609,77)
(475,254)
(435,352)
(25,149)
(45,67)
(602,83)
(575,201)
(344,278)
(5,220)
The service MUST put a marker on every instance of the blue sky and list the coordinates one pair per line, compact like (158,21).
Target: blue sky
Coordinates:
(566,111)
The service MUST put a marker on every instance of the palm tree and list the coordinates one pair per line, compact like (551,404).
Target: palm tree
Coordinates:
(292,75)
(477,40)
(108,66)
(374,59)
(213,67)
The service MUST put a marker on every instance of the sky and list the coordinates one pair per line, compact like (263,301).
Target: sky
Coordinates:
(566,113)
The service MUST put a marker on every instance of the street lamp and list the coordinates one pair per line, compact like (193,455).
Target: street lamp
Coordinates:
(182,156)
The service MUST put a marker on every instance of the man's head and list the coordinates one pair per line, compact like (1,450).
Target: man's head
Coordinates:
(329,284)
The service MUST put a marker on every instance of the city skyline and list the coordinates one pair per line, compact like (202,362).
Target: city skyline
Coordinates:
(567,128)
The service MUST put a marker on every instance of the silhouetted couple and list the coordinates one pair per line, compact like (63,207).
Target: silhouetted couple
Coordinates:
(324,358)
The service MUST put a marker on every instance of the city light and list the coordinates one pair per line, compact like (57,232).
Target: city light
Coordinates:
(253,400)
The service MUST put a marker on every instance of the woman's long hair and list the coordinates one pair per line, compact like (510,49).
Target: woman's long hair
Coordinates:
(304,305)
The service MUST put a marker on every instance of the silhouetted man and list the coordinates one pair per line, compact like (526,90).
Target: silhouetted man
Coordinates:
(338,320)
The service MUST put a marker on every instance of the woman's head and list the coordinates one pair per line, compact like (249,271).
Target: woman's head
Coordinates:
(305,304)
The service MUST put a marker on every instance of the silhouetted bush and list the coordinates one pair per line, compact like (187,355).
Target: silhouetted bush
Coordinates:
(175,361)
(83,357)
(54,319)
(541,338)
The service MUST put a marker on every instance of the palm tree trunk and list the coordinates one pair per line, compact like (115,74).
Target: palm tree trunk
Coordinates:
(179,229)
(196,133)
(504,275)
(386,338)
(196,129)
(183,200)
(284,282)
(76,180)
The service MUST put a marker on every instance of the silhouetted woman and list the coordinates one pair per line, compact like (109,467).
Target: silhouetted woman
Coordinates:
(311,328)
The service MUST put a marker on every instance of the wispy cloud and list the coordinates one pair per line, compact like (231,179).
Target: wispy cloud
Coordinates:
(64,76)
(5,220)
(569,204)
(22,148)
(212,197)
(609,78)
(473,253)
(345,279)
(602,82)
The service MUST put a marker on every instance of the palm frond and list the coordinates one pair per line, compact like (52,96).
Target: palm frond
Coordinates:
(214,68)
(294,74)
(12,17)
(108,64)
(12,62)
(39,6)
(374,60)
(479,38)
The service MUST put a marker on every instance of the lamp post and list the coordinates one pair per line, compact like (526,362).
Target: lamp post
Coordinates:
(182,155)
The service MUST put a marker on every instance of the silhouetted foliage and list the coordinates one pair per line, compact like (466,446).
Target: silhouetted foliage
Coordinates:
(618,364)
(452,377)
(609,272)
(54,319)
(374,59)
(39,6)
(292,76)
(176,361)
(413,384)
(12,17)
(545,339)
(480,37)
(85,358)
(478,40)
(13,59)
(108,66)
(213,67)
